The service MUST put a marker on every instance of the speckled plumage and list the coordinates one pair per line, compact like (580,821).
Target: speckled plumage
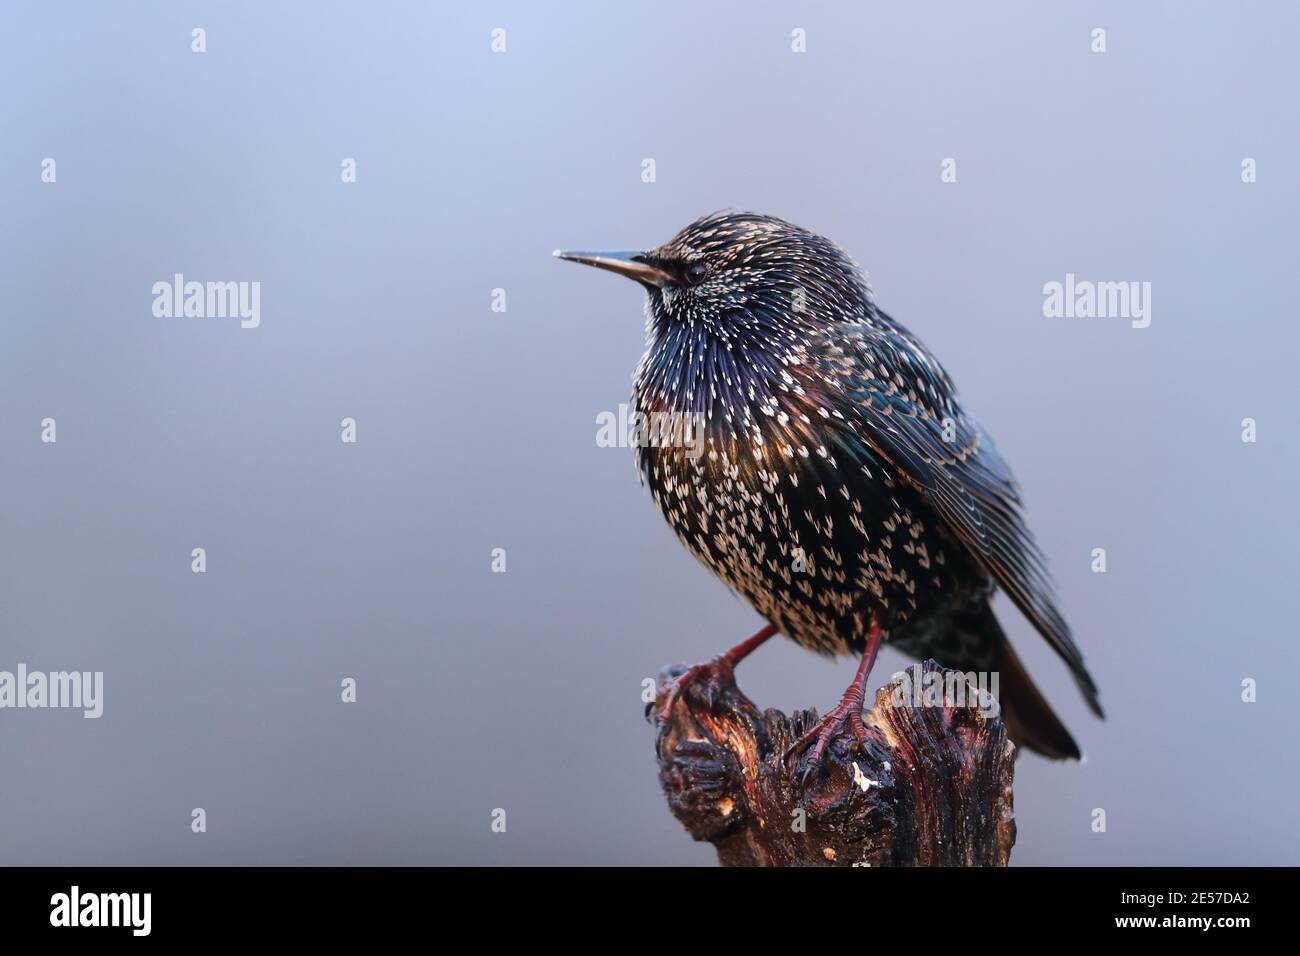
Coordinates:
(831,434)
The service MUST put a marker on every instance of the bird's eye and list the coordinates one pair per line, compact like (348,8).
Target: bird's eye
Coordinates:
(694,273)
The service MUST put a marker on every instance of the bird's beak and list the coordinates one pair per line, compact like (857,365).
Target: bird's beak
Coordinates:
(630,264)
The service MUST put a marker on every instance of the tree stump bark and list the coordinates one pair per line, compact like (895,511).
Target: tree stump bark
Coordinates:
(932,789)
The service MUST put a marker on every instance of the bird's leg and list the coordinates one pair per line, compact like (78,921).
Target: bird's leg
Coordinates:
(721,665)
(847,711)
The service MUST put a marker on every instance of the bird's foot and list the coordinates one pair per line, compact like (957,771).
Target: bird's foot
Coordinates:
(847,713)
(717,674)
(714,675)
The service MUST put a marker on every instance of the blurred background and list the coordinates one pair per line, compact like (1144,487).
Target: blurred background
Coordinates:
(476,429)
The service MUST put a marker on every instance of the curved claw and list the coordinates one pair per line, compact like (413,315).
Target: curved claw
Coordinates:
(819,736)
(712,670)
(847,711)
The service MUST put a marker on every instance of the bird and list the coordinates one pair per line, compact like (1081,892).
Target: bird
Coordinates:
(841,486)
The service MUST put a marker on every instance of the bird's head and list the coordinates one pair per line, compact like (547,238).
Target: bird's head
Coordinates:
(741,275)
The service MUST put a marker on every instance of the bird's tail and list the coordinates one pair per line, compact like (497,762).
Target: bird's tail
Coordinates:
(982,645)
(1030,721)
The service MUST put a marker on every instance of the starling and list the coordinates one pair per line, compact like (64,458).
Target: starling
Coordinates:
(841,487)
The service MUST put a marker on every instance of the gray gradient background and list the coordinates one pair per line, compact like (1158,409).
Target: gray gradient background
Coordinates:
(522,690)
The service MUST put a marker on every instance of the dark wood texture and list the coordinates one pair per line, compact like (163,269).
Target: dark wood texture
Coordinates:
(932,789)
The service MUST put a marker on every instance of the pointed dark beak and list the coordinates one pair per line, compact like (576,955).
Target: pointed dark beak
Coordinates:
(630,264)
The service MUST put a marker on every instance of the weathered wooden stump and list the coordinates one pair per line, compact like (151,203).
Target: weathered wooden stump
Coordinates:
(933,788)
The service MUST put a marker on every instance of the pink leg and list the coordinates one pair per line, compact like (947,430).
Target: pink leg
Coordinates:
(723,664)
(848,711)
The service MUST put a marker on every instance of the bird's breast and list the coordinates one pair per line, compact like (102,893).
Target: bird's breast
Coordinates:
(821,539)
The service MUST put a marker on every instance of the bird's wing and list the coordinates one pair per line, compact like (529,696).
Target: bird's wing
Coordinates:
(893,395)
